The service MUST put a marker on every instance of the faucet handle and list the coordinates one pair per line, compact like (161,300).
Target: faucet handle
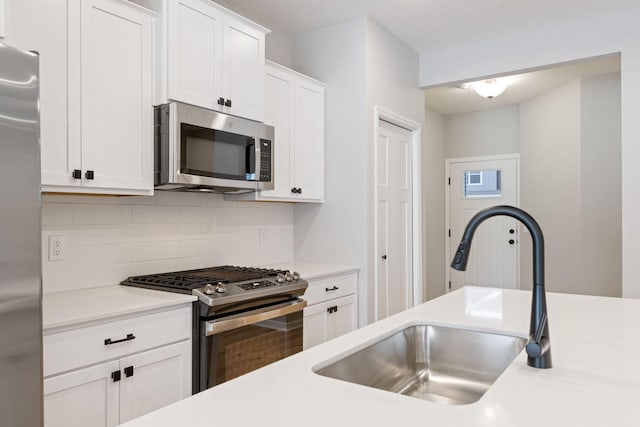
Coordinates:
(538,344)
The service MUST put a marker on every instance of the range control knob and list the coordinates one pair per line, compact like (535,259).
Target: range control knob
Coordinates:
(221,288)
(296,275)
(280,278)
(288,276)
(209,289)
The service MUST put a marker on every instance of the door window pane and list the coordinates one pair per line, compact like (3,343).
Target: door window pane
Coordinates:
(482,183)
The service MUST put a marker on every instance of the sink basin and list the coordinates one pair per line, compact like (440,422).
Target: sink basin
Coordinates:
(444,365)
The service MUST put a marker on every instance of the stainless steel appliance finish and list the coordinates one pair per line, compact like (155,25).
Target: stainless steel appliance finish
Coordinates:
(20,253)
(245,318)
(202,150)
(443,365)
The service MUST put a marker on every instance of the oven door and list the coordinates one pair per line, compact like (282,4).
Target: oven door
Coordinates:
(235,345)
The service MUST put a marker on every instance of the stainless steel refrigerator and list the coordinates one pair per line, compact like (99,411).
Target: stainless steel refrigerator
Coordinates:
(20,251)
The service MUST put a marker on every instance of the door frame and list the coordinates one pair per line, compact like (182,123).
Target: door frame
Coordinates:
(415,129)
(447,213)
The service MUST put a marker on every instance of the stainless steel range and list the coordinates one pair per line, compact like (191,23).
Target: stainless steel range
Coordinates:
(245,317)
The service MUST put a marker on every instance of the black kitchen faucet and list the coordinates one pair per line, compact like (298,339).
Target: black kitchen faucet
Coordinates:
(538,348)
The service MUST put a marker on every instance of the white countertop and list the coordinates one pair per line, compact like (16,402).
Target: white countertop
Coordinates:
(595,379)
(72,308)
(309,271)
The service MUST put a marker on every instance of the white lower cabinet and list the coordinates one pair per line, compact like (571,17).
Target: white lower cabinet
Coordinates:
(331,308)
(112,390)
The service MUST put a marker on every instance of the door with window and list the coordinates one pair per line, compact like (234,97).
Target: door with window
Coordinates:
(476,184)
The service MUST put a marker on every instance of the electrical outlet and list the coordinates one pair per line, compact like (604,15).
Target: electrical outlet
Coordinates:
(56,248)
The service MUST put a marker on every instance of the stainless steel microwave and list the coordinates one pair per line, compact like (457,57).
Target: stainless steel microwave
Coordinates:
(202,150)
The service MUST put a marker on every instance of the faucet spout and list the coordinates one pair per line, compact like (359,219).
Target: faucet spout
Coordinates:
(538,349)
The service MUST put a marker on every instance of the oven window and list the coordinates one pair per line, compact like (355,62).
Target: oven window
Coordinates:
(216,153)
(233,353)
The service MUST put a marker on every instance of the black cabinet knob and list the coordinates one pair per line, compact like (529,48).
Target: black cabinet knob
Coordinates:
(227,103)
(221,101)
(384,257)
(76,174)
(511,231)
(511,241)
(88,174)
(294,190)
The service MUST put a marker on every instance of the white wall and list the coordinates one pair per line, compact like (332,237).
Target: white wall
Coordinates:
(108,239)
(601,204)
(433,202)
(278,48)
(482,133)
(530,49)
(550,184)
(336,231)
(363,66)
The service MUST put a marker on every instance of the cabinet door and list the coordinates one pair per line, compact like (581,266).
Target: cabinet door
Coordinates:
(42,26)
(243,69)
(343,317)
(154,379)
(308,140)
(116,95)
(82,398)
(315,325)
(195,53)
(279,91)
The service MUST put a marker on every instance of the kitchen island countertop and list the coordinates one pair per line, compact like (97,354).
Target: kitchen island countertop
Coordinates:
(595,379)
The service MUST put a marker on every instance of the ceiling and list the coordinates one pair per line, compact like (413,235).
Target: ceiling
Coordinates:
(520,87)
(426,24)
(436,24)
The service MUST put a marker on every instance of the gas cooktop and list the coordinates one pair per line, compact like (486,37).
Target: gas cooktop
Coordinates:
(224,284)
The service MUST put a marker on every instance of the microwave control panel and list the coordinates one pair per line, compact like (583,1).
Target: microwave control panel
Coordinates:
(265,160)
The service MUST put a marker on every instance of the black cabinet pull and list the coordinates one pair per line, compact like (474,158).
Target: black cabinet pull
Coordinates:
(511,241)
(128,371)
(227,103)
(384,257)
(88,174)
(297,190)
(76,174)
(332,309)
(129,337)
(116,376)
(221,101)
(334,288)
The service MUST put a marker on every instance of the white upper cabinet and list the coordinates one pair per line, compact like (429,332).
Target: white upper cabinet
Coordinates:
(96,89)
(295,107)
(215,59)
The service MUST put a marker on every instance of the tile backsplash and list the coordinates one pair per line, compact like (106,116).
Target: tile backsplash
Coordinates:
(106,239)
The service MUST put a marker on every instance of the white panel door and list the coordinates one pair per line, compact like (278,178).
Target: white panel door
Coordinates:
(279,90)
(117,111)
(475,185)
(154,379)
(195,53)
(243,72)
(309,140)
(83,398)
(394,220)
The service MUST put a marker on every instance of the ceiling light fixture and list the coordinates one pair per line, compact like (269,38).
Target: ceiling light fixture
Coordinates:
(489,88)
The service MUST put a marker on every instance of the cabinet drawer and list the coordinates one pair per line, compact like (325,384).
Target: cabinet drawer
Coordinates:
(85,346)
(330,287)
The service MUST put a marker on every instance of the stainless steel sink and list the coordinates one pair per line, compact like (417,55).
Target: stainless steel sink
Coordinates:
(443,365)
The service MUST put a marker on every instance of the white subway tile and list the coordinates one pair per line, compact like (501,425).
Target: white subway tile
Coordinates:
(143,214)
(102,214)
(56,214)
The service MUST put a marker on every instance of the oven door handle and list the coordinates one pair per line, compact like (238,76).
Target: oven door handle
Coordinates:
(214,327)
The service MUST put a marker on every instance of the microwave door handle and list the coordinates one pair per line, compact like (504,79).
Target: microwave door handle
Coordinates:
(250,157)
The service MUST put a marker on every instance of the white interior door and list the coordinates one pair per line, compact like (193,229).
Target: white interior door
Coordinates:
(473,186)
(394,286)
